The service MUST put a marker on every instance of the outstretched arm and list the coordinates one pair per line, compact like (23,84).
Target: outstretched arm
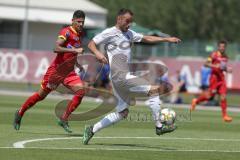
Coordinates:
(100,56)
(155,39)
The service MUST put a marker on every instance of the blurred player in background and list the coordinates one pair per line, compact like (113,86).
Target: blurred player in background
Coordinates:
(61,71)
(217,61)
(205,77)
(103,80)
(179,80)
(119,59)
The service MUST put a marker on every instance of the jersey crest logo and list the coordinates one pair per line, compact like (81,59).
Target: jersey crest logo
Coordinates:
(67,34)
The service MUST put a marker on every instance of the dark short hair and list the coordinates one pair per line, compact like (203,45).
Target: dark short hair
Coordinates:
(78,14)
(124,11)
(222,42)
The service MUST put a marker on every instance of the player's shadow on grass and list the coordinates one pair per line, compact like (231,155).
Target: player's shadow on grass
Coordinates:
(54,134)
(162,147)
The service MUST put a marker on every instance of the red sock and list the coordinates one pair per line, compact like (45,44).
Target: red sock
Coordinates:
(224,107)
(202,98)
(72,105)
(29,103)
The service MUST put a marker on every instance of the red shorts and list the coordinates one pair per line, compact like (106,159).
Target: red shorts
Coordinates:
(51,80)
(217,86)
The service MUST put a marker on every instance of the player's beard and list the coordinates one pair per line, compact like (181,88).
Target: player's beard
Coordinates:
(79,29)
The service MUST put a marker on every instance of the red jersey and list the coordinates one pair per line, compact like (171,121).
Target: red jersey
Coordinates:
(61,69)
(218,58)
(72,39)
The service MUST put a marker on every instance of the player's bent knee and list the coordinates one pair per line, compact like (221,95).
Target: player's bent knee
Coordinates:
(42,98)
(43,94)
(77,87)
(124,113)
(80,93)
(209,94)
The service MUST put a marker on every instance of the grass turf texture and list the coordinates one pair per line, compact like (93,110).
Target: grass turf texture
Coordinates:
(203,137)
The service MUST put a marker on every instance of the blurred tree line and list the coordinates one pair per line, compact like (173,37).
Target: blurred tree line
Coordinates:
(188,19)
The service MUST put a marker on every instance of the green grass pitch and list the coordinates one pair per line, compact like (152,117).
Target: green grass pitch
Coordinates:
(204,136)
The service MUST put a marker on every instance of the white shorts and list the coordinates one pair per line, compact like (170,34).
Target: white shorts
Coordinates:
(124,104)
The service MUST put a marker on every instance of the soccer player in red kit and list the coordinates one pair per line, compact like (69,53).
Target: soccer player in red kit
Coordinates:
(218,63)
(61,71)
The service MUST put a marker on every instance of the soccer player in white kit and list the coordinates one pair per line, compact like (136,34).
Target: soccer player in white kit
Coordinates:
(117,41)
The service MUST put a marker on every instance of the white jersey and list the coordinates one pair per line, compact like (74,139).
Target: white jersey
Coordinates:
(118,47)
(117,42)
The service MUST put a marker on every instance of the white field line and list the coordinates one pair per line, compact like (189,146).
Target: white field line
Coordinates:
(20,144)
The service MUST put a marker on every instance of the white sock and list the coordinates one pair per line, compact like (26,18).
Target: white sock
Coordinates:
(154,104)
(108,120)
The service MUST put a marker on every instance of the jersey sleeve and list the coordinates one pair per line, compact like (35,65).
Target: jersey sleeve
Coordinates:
(211,57)
(136,37)
(102,37)
(64,34)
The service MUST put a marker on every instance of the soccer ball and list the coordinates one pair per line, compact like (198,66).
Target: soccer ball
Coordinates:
(168,116)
